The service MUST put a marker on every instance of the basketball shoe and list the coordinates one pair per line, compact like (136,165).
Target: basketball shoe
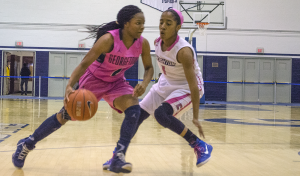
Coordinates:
(18,158)
(202,151)
(118,164)
(107,164)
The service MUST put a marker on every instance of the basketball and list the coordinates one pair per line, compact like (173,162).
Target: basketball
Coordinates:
(82,105)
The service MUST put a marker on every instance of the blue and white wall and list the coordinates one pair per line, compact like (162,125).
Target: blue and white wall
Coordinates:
(251,24)
(272,25)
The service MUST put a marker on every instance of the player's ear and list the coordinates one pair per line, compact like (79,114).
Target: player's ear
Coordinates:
(126,24)
(178,27)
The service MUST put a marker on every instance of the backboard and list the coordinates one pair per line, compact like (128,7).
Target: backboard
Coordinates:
(212,12)
(194,11)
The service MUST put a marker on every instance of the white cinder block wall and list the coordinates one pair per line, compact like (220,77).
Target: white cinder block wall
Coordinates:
(244,17)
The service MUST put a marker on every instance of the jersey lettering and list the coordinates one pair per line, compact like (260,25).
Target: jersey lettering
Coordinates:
(164,69)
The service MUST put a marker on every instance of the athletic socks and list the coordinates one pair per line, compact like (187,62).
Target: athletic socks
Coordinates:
(190,137)
(128,127)
(144,115)
(50,125)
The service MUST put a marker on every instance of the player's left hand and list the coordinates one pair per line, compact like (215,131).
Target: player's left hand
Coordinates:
(138,90)
(197,124)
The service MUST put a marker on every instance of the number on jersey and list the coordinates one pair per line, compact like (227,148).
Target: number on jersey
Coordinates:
(116,72)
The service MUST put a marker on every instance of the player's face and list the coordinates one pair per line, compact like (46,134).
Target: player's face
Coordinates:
(168,26)
(135,26)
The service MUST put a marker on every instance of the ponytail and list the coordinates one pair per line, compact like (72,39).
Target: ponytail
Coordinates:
(98,31)
(124,16)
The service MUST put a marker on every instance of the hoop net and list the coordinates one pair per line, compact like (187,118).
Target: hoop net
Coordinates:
(202,26)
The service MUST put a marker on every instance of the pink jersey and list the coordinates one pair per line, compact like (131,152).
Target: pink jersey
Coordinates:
(120,59)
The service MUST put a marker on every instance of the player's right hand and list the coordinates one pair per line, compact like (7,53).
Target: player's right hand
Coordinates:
(139,90)
(198,125)
(68,91)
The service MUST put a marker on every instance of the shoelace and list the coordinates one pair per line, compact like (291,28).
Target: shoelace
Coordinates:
(23,153)
(198,151)
(109,161)
(121,157)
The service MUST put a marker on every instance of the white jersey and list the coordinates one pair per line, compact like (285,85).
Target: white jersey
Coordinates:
(172,86)
(172,71)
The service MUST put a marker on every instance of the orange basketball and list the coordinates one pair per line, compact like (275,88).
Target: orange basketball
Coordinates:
(82,105)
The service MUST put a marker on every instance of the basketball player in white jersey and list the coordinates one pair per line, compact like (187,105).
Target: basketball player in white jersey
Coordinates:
(179,88)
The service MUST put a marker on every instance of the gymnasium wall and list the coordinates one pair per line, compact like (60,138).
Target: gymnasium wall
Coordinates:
(295,97)
(215,91)
(42,69)
(251,24)
(1,88)
(133,73)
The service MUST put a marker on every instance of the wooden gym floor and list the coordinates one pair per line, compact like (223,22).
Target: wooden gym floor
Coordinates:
(248,140)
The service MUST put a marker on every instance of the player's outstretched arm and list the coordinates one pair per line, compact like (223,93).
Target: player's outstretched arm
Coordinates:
(185,56)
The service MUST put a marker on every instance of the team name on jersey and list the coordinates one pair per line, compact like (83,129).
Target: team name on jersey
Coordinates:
(165,62)
(118,60)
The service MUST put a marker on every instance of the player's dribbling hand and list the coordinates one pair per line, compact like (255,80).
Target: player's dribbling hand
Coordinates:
(138,90)
(198,125)
(69,90)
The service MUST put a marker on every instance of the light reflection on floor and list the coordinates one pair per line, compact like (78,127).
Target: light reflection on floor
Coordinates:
(247,140)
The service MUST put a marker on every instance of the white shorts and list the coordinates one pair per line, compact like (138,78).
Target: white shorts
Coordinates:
(179,99)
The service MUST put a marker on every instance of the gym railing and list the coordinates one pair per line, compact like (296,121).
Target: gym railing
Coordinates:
(37,80)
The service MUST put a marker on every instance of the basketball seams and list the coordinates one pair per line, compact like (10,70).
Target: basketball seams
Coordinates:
(92,98)
(83,101)
(73,105)
(92,104)
(83,111)
(95,104)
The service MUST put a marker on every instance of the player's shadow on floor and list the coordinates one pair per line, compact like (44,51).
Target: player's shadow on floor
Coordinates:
(109,173)
(18,172)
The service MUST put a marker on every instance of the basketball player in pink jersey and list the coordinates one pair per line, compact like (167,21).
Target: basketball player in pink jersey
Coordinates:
(179,88)
(117,47)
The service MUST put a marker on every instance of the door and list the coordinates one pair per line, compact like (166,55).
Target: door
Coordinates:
(56,70)
(30,63)
(266,78)
(14,83)
(251,77)
(235,74)
(72,61)
(61,66)
(6,72)
(283,78)
(257,76)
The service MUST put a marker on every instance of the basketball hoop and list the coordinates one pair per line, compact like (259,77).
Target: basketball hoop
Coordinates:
(202,26)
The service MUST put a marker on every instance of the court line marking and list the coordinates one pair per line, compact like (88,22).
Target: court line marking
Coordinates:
(153,145)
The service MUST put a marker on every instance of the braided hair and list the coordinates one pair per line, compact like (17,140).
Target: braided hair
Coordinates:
(124,16)
(175,14)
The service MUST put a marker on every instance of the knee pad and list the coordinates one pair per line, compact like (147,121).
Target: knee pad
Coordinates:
(144,115)
(162,114)
(132,113)
(129,125)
